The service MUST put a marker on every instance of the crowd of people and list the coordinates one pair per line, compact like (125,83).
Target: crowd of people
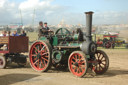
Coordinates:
(8,33)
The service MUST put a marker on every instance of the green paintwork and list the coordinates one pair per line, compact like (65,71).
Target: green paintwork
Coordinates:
(87,56)
(64,52)
(55,41)
(43,38)
(75,37)
(57,55)
(74,44)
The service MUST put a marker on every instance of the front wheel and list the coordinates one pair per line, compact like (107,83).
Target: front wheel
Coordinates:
(3,62)
(77,63)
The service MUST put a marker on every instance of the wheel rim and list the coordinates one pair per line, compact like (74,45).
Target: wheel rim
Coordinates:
(102,62)
(77,64)
(39,56)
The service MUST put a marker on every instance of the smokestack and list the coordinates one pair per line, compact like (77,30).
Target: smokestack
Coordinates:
(88,46)
(88,25)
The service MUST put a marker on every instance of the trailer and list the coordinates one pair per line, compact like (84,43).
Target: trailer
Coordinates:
(11,48)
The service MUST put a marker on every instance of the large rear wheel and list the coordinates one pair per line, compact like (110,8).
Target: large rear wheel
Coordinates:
(77,63)
(102,62)
(40,56)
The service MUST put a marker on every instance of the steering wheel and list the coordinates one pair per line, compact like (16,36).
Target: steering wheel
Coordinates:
(62,31)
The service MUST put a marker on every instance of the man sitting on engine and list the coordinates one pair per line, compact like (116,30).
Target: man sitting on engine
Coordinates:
(45,26)
(42,30)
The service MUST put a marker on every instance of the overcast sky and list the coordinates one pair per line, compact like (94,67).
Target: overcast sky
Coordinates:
(72,11)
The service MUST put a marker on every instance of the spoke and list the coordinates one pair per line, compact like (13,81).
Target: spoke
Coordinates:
(74,68)
(73,58)
(102,57)
(82,62)
(42,48)
(40,45)
(44,53)
(35,58)
(45,63)
(100,67)
(45,56)
(82,67)
(103,60)
(99,57)
(103,64)
(79,57)
(44,59)
(36,61)
(76,57)
(36,52)
(36,49)
(42,63)
(45,50)
(34,55)
(78,70)
(73,62)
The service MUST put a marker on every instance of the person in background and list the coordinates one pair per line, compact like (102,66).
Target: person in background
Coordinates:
(15,33)
(4,33)
(3,46)
(8,33)
(23,33)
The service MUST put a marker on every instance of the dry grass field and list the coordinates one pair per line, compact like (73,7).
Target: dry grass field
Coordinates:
(117,73)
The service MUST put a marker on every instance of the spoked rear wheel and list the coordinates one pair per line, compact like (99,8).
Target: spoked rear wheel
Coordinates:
(2,62)
(40,56)
(102,62)
(77,63)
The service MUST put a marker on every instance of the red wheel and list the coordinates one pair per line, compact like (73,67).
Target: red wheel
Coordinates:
(77,63)
(102,62)
(2,62)
(107,44)
(40,56)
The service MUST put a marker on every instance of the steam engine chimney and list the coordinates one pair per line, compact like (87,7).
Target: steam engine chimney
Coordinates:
(88,25)
(88,46)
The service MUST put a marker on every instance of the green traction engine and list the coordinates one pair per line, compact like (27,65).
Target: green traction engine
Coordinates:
(63,49)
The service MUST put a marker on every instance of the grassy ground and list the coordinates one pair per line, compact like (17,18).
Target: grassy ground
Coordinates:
(32,36)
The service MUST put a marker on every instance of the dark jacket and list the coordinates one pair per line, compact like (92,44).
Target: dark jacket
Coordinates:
(42,31)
